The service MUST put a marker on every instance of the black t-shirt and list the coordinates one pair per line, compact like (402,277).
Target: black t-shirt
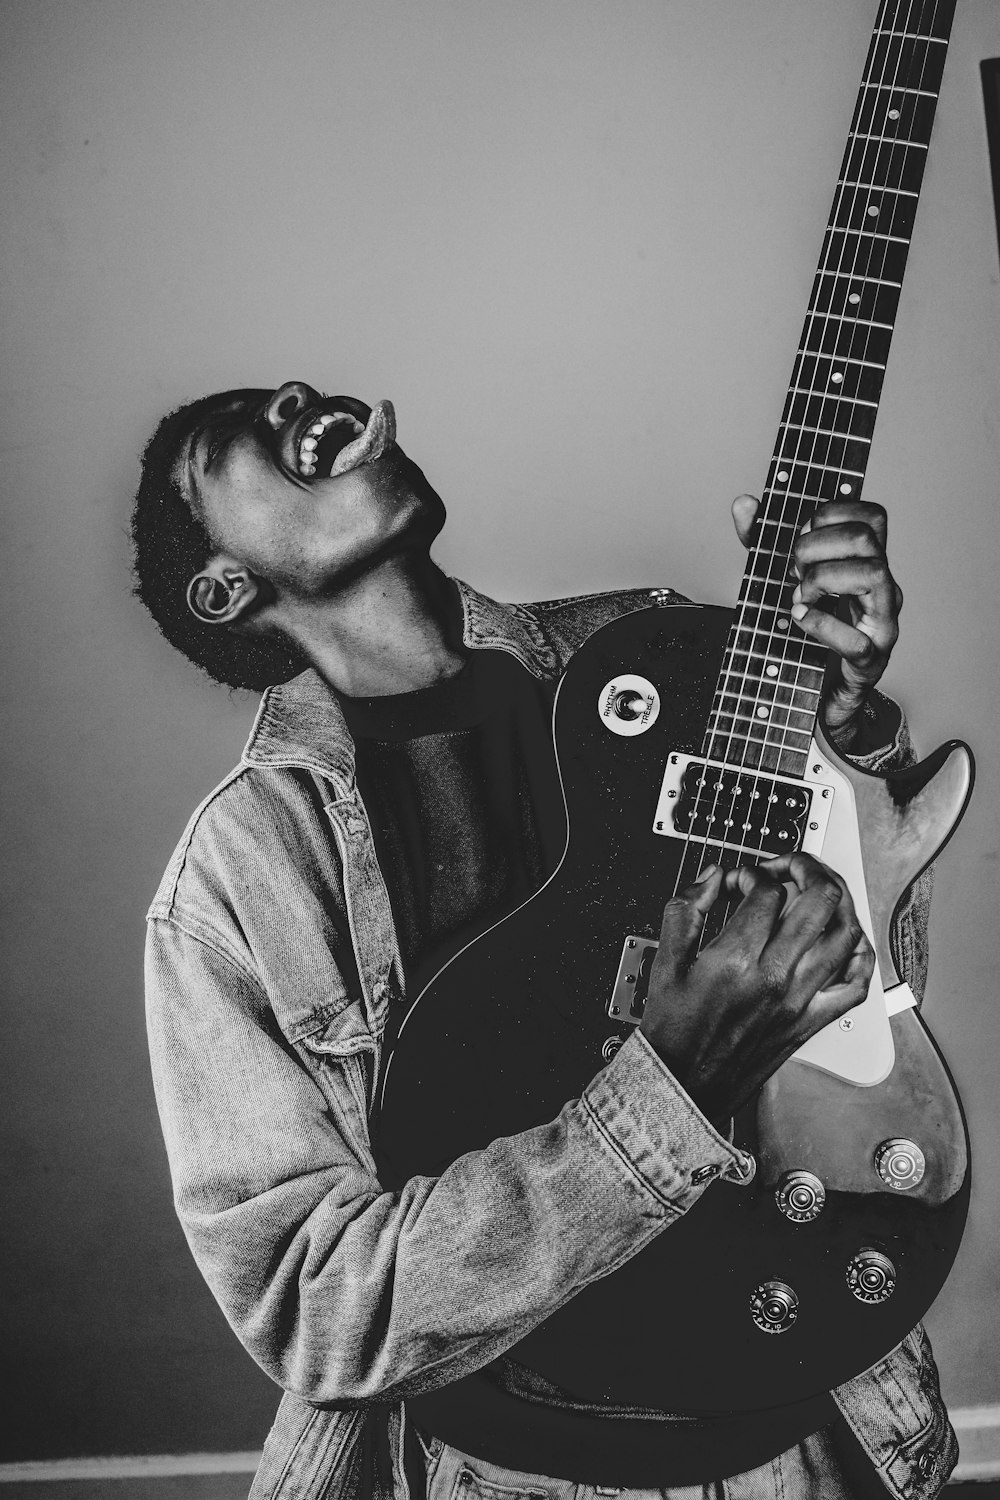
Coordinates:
(462,791)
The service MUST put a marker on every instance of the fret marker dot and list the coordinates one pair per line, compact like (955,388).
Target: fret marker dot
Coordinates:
(873,211)
(762,713)
(771,671)
(894,114)
(846,489)
(836,377)
(782,624)
(855,297)
(782,475)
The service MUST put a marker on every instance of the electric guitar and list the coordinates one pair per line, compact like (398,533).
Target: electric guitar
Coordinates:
(689,735)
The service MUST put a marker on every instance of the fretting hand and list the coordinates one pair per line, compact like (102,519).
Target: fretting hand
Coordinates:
(842,552)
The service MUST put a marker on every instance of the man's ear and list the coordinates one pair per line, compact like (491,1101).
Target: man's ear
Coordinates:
(223,591)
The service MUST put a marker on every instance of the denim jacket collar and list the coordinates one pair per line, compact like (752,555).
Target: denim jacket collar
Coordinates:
(300,722)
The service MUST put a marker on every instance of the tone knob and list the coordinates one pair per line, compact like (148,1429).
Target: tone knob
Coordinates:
(800,1196)
(629,705)
(900,1163)
(871,1276)
(774,1307)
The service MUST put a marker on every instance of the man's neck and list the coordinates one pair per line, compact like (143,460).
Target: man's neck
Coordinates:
(393,631)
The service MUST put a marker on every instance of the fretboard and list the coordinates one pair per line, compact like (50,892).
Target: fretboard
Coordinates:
(768,697)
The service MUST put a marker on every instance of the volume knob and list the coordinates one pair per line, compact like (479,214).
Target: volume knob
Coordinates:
(800,1195)
(900,1163)
(871,1276)
(774,1307)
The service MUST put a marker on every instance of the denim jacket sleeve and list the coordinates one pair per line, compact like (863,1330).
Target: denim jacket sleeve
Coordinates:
(346,1293)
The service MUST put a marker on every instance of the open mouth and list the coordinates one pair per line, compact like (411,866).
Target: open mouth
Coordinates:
(335,441)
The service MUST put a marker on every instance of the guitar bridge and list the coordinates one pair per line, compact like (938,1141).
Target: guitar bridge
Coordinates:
(753,812)
(628,998)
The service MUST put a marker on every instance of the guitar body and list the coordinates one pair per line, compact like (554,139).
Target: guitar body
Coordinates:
(518,1023)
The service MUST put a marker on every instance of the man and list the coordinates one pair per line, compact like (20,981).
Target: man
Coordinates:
(389,804)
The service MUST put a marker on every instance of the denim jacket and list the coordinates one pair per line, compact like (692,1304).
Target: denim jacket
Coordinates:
(271,965)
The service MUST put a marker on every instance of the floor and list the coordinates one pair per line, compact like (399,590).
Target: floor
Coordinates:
(235,1486)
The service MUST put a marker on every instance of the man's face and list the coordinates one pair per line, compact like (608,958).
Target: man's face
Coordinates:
(305,490)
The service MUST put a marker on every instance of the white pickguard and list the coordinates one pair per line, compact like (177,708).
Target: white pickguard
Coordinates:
(863,1052)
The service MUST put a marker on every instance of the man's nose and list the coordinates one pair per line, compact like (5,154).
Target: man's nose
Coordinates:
(288,400)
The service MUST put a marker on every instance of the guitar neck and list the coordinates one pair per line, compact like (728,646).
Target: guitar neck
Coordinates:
(767,699)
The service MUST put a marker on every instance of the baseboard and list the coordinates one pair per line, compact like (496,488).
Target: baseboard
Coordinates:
(978,1429)
(143,1466)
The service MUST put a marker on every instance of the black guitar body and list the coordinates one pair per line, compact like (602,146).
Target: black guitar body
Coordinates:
(515,1025)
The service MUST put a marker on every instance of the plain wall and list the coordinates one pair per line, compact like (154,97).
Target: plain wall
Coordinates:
(573,241)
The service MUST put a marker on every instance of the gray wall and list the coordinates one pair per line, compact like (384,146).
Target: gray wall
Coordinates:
(573,241)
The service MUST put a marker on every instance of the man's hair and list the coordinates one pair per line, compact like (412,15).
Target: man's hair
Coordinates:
(170,545)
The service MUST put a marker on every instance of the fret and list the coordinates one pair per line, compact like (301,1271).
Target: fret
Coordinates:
(819,432)
(898,88)
(852,318)
(941,41)
(861,135)
(882,187)
(847,456)
(836,393)
(857,374)
(873,234)
(854,276)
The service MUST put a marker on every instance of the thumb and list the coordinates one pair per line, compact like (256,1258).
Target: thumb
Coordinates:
(684,917)
(744,514)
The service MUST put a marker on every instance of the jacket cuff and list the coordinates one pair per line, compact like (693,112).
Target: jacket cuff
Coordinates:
(883,738)
(657,1130)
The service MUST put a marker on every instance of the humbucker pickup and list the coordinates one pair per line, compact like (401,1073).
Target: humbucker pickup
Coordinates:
(751,811)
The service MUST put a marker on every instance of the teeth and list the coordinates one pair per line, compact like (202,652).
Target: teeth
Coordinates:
(369,442)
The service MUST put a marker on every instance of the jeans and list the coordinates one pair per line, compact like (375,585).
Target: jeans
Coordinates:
(810,1471)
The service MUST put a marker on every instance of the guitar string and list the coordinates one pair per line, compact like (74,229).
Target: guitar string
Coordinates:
(850,173)
(781,460)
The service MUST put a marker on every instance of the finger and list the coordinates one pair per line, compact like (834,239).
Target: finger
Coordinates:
(684,919)
(865,646)
(834,999)
(840,954)
(763,898)
(814,912)
(745,509)
(836,512)
(864,578)
(821,543)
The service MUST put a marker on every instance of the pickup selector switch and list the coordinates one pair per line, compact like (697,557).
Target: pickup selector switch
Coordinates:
(774,1307)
